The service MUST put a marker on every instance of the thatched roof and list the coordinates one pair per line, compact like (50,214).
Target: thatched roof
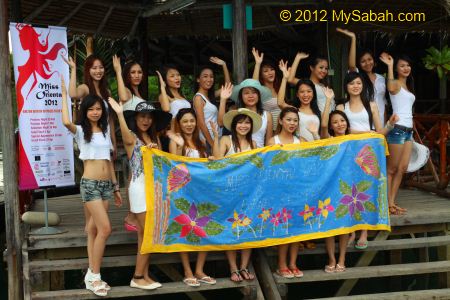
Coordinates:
(115,18)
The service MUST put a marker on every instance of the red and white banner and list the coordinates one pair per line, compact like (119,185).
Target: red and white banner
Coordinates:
(45,145)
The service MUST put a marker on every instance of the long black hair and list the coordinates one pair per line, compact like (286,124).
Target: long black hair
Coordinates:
(211,93)
(198,143)
(364,98)
(314,61)
(127,77)
(283,113)
(272,65)
(89,101)
(151,131)
(165,69)
(370,89)
(313,103)
(342,114)
(241,103)
(234,137)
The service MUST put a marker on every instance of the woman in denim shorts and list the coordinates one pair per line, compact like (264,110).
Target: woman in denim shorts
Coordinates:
(93,138)
(400,137)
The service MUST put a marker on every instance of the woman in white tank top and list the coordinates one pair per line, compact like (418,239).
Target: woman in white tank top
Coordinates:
(186,142)
(400,138)
(205,97)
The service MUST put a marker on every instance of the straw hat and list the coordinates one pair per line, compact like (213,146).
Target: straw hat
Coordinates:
(229,116)
(419,157)
(265,93)
(160,118)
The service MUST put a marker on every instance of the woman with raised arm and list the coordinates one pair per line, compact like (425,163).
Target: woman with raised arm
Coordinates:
(139,127)
(250,94)
(319,71)
(266,72)
(204,99)
(185,141)
(401,93)
(364,63)
(241,123)
(96,187)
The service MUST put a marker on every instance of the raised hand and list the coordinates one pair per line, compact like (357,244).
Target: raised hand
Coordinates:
(70,62)
(284,68)
(217,61)
(117,107)
(301,55)
(346,32)
(387,59)
(226,91)
(258,57)
(329,93)
(162,83)
(116,64)
(214,129)
(176,137)
(312,127)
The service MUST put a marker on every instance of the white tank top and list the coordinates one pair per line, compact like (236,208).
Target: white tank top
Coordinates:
(322,99)
(271,106)
(402,104)
(210,114)
(259,136)
(304,120)
(358,121)
(231,150)
(131,103)
(192,153)
(278,142)
(177,104)
(379,88)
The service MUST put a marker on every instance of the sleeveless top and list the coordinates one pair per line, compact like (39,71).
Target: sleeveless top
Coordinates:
(178,104)
(192,153)
(135,161)
(402,104)
(278,142)
(231,150)
(322,99)
(379,88)
(259,136)
(98,148)
(271,106)
(304,120)
(131,103)
(210,114)
(358,120)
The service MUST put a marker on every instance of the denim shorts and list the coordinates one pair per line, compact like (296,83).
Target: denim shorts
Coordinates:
(398,136)
(91,189)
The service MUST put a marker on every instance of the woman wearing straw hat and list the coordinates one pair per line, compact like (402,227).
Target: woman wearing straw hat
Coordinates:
(139,127)
(241,123)
(250,94)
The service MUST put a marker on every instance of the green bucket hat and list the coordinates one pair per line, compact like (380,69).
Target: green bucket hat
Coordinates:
(265,93)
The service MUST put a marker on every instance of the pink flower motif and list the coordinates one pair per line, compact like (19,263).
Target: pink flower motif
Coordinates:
(276,219)
(286,214)
(190,223)
(355,201)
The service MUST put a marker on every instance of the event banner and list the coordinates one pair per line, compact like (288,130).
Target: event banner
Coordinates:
(45,145)
(264,197)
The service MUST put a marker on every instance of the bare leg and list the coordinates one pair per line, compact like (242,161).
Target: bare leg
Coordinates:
(393,161)
(231,256)
(331,249)
(142,260)
(282,256)
(293,255)
(402,167)
(91,232)
(186,265)
(245,259)
(343,241)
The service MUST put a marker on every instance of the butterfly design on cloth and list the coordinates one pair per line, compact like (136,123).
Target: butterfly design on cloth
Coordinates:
(368,162)
(178,177)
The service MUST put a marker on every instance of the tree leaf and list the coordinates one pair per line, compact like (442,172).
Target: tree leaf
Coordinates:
(192,238)
(174,228)
(363,186)
(369,206)
(214,228)
(357,216)
(206,208)
(344,188)
(341,211)
(182,204)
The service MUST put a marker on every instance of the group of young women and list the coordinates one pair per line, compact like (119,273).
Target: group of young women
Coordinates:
(260,116)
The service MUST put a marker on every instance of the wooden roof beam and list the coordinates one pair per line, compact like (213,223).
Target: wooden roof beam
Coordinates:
(37,11)
(105,19)
(218,4)
(71,14)
(116,3)
(168,5)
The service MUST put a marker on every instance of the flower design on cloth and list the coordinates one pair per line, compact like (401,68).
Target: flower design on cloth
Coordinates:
(324,208)
(190,223)
(286,215)
(240,220)
(265,215)
(276,219)
(355,201)
(178,177)
(307,212)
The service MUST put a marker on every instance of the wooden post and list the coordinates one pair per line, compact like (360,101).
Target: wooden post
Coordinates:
(239,41)
(13,251)
(142,27)
(89,45)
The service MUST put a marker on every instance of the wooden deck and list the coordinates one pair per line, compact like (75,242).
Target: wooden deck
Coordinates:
(46,257)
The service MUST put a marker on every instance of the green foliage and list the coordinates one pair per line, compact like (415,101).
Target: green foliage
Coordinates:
(168,240)
(281,157)
(363,186)
(341,211)
(213,228)
(174,228)
(216,165)
(357,216)
(254,159)
(323,153)
(344,188)
(205,209)
(183,205)
(192,238)
(438,61)
(369,206)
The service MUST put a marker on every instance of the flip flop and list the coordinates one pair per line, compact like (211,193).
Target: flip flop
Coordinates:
(297,273)
(207,280)
(285,273)
(340,268)
(238,276)
(361,245)
(329,269)
(191,281)
(249,276)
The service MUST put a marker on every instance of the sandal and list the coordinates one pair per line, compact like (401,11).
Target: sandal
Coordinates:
(86,278)
(129,227)
(245,273)
(151,286)
(394,211)
(285,273)
(340,268)
(361,245)
(330,269)
(191,281)
(207,280)
(95,284)
(237,276)
(297,273)
(310,245)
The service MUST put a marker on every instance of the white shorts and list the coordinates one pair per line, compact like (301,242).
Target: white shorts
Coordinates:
(136,195)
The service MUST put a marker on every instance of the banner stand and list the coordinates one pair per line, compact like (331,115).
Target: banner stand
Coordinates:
(47,230)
